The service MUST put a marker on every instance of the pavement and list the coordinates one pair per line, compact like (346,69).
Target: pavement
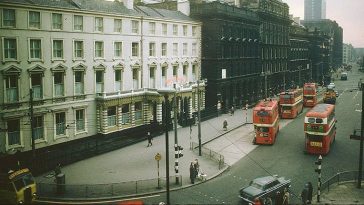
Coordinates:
(136,163)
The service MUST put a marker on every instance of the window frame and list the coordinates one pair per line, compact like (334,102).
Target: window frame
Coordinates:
(99,24)
(7,86)
(3,19)
(152,26)
(53,50)
(175,29)
(119,50)
(30,23)
(164,29)
(8,146)
(102,50)
(134,27)
(152,49)
(59,23)
(133,50)
(82,77)
(64,134)
(62,73)
(41,75)
(118,29)
(163,49)
(75,51)
(30,49)
(35,119)
(78,17)
(77,131)
(4,50)
(102,78)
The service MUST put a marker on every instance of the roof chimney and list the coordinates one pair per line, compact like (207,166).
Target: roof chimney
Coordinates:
(183,6)
(129,4)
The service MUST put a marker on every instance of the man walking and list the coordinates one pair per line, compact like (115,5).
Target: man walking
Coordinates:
(149,137)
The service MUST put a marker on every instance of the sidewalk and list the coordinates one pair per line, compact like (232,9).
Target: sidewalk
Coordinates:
(137,162)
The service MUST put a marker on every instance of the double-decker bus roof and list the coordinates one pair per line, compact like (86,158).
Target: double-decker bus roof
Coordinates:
(267,105)
(320,110)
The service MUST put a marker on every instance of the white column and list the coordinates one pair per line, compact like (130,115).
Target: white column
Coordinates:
(104,121)
(132,114)
(119,114)
(159,112)
(146,113)
(190,107)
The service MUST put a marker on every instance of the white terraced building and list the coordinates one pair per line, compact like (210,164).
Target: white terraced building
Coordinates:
(94,67)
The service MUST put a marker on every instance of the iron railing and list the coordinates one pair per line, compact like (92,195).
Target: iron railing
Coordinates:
(210,154)
(340,177)
(99,191)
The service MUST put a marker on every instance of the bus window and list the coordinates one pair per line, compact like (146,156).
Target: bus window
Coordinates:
(319,120)
(263,129)
(286,107)
(315,138)
(311,120)
(286,96)
(309,97)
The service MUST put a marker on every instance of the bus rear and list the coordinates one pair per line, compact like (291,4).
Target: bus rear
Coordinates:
(320,129)
(266,122)
(291,103)
(309,94)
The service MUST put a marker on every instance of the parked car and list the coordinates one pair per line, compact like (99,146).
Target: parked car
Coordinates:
(336,93)
(264,188)
(331,86)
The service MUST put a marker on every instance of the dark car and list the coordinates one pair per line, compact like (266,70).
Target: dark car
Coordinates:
(264,188)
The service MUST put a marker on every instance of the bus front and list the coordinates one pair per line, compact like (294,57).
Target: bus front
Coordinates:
(286,101)
(24,186)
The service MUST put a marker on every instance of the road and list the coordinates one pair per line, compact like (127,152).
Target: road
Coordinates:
(285,157)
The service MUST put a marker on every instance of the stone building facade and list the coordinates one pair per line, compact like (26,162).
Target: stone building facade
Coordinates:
(92,68)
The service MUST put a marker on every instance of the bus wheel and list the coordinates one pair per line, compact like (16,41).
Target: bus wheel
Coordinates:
(255,141)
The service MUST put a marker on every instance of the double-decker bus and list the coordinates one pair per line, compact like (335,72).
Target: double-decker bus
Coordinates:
(266,122)
(291,103)
(320,129)
(309,94)
(17,187)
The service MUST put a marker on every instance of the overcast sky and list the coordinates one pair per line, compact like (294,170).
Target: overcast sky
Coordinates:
(349,14)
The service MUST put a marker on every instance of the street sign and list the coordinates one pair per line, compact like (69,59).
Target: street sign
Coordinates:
(158,157)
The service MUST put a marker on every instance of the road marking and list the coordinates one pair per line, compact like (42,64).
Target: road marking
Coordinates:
(358,110)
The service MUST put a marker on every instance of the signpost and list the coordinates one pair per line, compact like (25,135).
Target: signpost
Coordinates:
(246,113)
(158,157)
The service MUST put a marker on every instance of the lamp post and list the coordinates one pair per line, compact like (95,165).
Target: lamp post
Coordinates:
(176,147)
(199,117)
(166,123)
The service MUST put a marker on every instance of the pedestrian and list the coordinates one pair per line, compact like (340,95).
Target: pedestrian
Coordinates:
(232,110)
(257,201)
(225,124)
(192,173)
(197,166)
(278,198)
(309,194)
(57,169)
(285,197)
(150,139)
(304,195)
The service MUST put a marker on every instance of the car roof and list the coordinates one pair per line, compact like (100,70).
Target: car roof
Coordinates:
(264,180)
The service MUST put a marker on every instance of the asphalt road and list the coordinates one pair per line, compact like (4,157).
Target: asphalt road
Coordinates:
(286,156)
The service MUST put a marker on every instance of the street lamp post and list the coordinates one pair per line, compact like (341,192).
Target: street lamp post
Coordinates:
(176,147)
(199,117)
(166,123)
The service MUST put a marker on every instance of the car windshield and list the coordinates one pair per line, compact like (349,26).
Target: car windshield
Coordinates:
(256,185)
(23,181)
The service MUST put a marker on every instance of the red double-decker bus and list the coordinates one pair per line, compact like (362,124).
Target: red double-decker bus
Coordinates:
(291,103)
(320,129)
(309,94)
(266,122)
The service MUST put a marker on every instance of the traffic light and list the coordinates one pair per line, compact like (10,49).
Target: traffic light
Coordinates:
(318,163)
(180,154)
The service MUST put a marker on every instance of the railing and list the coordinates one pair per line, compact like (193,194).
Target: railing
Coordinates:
(99,191)
(210,154)
(340,177)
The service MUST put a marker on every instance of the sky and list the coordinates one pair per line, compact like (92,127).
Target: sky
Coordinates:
(349,14)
